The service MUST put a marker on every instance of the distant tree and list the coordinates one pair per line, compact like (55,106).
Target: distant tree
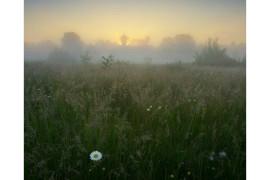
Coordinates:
(72,43)
(213,55)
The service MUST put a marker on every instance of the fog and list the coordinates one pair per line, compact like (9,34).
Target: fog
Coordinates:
(180,47)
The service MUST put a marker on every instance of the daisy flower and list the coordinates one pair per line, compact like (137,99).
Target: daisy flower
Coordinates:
(95,156)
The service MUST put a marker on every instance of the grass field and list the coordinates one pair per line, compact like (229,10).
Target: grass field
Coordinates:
(148,121)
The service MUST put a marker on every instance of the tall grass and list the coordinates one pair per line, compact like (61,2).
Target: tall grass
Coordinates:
(149,122)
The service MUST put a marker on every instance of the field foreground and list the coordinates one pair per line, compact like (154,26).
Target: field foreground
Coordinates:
(149,122)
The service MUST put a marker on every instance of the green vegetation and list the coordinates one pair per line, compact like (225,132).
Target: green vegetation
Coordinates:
(149,122)
(213,55)
(107,61)
(85,59)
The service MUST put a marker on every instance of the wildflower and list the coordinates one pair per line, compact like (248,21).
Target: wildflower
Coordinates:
(159,107)
(95,156)
(148,109)
(165,120)
(211,157)
(47,96)
(150,106)
(189,173)
(172,176)
(103,169)
(222,154)
(213,168)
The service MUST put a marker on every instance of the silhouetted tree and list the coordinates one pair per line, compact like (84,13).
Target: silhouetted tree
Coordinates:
(72,43)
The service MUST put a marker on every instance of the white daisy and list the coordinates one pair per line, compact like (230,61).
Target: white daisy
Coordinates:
(95,156)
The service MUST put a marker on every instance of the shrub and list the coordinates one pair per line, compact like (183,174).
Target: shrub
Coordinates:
(107,61)
(213,55)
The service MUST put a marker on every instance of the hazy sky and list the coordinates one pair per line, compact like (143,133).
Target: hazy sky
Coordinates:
(109,19)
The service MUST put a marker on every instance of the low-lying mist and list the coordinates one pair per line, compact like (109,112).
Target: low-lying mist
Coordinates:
(180,48)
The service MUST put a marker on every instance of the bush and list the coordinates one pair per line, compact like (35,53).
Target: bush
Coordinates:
(107,61)
(213,55)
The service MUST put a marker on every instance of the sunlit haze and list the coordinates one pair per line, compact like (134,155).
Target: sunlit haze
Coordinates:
(140,20)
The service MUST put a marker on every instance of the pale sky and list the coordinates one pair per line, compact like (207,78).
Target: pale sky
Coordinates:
(109,19)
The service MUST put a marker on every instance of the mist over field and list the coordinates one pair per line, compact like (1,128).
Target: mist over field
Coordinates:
(179,48)
(135,89)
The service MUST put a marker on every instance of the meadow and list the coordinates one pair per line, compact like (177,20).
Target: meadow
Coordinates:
(171,121)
